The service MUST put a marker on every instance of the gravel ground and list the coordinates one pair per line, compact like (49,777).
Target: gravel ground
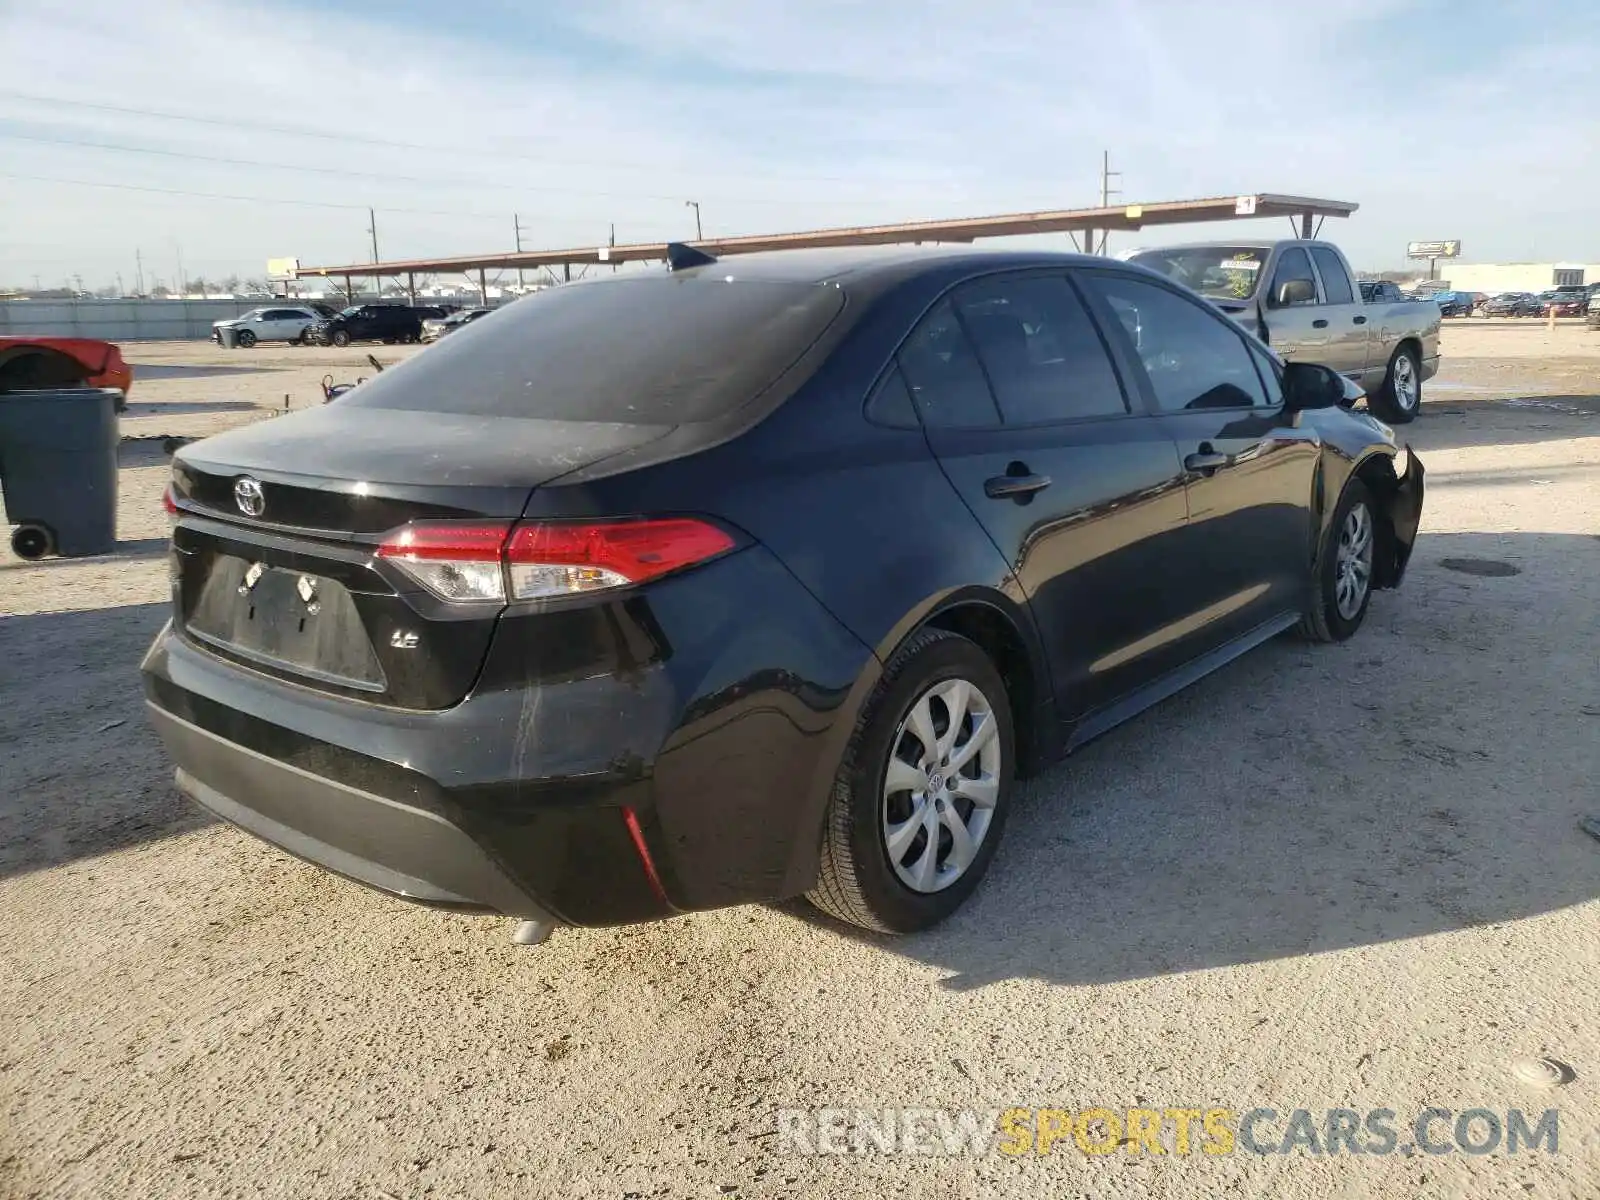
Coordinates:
(1326,876)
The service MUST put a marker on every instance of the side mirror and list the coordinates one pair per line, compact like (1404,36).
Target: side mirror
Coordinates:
(1295,291)
(1309,385)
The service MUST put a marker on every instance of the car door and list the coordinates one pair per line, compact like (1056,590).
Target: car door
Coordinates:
(1348,328)
(277,324)
(1298,329)
(1249,468)
(1029,418)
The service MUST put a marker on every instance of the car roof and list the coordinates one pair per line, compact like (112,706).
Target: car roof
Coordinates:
(875,264)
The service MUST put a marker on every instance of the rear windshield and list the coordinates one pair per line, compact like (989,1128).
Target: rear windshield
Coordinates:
(658,350)
(1220,272)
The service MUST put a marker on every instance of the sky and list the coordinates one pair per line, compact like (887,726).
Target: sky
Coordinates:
(219,134)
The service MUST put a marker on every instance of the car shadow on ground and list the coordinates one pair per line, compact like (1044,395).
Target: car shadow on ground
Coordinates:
(1504,420)
(144,371)
(81,771)
(1426,776)
(136,548)
(177,408)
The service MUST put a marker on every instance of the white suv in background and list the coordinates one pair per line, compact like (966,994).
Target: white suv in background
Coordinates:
(267,325)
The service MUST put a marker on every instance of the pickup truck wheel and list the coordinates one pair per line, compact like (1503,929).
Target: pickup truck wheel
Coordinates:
(1401,394)
(341,337)
(1342,588)
(922,791)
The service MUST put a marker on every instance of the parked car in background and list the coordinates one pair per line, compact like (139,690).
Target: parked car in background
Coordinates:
(1512,304)
(435,328)
(665,592)
(1571,301)
(283,324)
(1593,309)
(1381,291)
(386,323)
(1453,304)
(31,363)
(1300,298)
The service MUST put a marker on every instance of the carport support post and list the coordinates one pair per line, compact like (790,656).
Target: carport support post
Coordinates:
(566,272)
(483,286)
(1305,226)
(349,290)
(411,286)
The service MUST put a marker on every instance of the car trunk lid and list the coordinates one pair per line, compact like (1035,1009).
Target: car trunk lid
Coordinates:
(276,550)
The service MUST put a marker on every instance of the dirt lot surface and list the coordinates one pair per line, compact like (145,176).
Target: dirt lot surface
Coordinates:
(1327,876)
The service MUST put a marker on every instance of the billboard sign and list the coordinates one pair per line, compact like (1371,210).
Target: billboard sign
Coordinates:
(282,268)
(1433,249)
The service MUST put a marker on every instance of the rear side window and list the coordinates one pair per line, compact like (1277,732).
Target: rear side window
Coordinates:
(1335,280)
(1294,267)
(944,375)
(890,403)
(1044,359)
(652,350)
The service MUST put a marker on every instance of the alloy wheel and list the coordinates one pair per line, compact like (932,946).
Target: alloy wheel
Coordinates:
(941,785)
(1352,568)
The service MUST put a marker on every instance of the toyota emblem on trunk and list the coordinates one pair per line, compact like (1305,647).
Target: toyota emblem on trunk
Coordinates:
(247,494)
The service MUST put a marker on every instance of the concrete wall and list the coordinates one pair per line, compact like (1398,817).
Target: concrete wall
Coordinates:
(120,320)
(1511,277)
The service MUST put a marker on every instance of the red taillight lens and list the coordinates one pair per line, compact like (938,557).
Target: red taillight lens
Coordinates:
(471,561)
(564,560)
(455,561)
(169,504)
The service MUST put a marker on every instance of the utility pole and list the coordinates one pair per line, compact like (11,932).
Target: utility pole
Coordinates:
(183,288)
(699,234)
(120,291)
(138,267)
(372,228)
(613,242)
(516,225)
(1106,192)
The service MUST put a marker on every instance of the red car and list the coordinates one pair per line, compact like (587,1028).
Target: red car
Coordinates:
(1566,306)
(28,362)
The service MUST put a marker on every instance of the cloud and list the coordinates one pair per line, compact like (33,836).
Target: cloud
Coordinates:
(777,116)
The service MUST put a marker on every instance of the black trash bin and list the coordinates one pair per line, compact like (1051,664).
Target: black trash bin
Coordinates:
(58,470)
(228,336)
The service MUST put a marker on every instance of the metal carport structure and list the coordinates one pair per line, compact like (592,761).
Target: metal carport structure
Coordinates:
(1085,225)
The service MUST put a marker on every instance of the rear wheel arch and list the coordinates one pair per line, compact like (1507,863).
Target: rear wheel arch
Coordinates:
(997,632)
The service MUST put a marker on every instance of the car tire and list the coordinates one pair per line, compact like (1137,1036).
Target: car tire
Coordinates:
(1400,397)
(245,339)
(861,880)
(340,338)
(1335,613)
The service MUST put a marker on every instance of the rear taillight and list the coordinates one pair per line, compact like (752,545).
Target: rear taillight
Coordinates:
(455,561)
(169,505)
(469,562)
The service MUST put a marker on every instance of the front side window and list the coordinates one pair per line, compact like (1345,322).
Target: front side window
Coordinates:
(944,375)
(1194,358)
(1043,356)
(1292,281)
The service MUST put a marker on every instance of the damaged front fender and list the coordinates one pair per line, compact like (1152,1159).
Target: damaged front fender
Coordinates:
(1403,506)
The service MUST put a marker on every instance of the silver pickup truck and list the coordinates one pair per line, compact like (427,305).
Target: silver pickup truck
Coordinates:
(1300,297)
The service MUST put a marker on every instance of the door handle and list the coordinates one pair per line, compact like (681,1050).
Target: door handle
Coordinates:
(1361,320)
(1320,323)
(1204,462)
(1014,487)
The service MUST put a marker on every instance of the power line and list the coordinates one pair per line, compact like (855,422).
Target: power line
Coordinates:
(134,187)
(391,143)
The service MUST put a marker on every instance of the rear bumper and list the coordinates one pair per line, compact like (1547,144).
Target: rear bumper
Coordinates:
(394,847)
(1430,367)
(655,755)
(1404,508)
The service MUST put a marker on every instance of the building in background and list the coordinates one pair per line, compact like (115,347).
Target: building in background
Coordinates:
(1517,277)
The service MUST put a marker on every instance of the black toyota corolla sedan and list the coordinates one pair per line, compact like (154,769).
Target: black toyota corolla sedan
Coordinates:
(750,578)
